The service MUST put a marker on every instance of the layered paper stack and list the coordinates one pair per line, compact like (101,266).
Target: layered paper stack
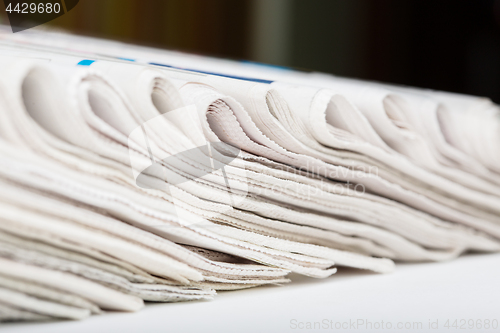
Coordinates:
(131,174)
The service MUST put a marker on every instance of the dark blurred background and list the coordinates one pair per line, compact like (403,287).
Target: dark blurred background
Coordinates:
(442,44)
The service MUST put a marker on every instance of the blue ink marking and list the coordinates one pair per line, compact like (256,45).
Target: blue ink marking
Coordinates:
(266,65)
(163,65)
(86,62)
(127,59)
(217,74)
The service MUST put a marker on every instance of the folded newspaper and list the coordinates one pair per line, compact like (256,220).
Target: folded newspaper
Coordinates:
(131,174)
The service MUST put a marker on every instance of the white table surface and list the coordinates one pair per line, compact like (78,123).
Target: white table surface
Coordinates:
(464,289)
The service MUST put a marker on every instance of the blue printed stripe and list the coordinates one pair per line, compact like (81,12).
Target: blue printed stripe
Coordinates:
(86,62)
(217,74)
(266,65)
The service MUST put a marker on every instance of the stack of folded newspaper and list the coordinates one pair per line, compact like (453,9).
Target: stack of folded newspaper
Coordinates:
(130,174)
